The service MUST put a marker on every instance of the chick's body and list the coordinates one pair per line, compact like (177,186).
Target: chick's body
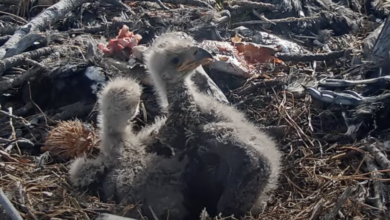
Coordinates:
(232,165)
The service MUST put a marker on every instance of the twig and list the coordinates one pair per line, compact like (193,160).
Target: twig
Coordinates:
(8,157)
(317,210)
(8,63)
(380,158)
(262,17)
(250,5)
(22,200)
(154,215)
(204,215)
(275,21)
(119,2)
(15,16)
(32,101)
(381,47)
(4,140)
(12,20)
(24,43)
(4,39)
(340,202)
(253,86)
(162,5)
(9,144)
(7,30)
(312,57)
(190,2)
(378,198)
(347,83)
(282,110)
(73,110)
(43,159)
(19,80)
(9,2)
(13,131)
(257,14)
(36,64)
(115,24)
(48,17)
(110,216)
(9,208)
(24,121)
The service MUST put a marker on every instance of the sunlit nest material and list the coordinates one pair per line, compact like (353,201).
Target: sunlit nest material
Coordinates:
(70,139)
(242,57)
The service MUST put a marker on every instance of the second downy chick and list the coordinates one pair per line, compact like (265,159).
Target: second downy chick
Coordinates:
(118,103)
(124,170)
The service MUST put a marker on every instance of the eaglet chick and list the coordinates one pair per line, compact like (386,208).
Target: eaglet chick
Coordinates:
(124,170)
(233,165)
(118,103)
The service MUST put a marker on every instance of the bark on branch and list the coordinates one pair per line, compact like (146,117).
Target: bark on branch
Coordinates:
(382,44)
(51,15)
(19,59)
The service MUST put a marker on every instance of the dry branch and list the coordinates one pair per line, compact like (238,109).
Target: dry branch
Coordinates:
(4,39)
(252,5)
(42,21)
(73,110)
(7,157)
(9,208)
(19,59)
(313,57)
(20,79)
(339,203)
(25,42)
(317,209)
(7,30)
(378,189)
(191,2)
(275,21)
(380,157)
(114,24)
(24,142)
(110,216)
(24,121)
(382,45)
(9,2)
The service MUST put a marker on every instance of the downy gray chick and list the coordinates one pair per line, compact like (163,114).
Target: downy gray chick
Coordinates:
(124,170)
(233,165)
(118,103)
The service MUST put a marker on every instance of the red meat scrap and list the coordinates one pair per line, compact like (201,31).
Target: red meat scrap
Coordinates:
(125,39)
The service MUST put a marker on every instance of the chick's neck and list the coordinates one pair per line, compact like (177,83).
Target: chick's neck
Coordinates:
(183,115)
(180,98)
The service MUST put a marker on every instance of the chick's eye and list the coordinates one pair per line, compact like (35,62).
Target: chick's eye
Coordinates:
(175,60)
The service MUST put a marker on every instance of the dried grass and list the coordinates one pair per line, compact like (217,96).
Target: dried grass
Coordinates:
(315,174)
(44,192)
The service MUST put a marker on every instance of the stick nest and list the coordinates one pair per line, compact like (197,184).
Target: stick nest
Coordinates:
(326,173)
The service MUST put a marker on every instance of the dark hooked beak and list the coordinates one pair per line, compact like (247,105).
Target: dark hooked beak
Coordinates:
(195,57)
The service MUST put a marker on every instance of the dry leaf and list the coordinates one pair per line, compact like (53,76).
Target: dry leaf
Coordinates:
(236,39)
(253,53)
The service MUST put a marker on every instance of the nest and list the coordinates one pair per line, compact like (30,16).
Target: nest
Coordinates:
(43,192)
(332,168)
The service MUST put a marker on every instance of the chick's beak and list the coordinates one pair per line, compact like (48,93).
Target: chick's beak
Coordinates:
(195,57)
